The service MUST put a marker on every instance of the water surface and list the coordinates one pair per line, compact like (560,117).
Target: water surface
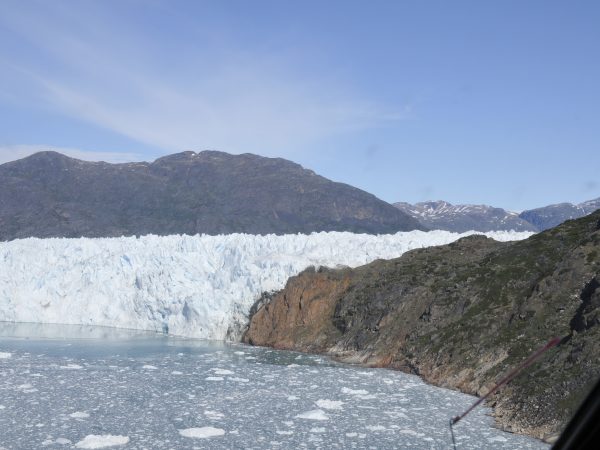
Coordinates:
(59,384)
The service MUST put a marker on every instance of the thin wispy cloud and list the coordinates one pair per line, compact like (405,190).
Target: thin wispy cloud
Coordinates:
(14,152)
(242,101)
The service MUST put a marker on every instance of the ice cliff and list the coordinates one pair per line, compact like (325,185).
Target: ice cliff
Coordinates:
(196,286)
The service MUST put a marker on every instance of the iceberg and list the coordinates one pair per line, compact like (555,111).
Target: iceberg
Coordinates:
(195,286)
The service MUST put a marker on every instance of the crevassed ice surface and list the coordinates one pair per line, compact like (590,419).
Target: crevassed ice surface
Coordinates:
(196,286)
(138,391)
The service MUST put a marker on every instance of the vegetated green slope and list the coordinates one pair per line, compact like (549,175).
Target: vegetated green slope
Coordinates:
(464,314)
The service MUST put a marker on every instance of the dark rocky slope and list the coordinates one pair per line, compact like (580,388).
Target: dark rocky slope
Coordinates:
(51,195)
(461,316)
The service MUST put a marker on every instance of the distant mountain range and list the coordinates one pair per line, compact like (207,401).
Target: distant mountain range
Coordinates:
(441,215)
(51,195)
(553,215)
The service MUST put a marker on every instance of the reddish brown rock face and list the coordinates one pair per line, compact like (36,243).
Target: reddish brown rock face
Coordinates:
(300,316)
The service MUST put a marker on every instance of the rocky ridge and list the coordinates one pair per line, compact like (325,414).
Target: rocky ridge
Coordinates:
(461,316)
(441,215)
(52,195)
(553,215)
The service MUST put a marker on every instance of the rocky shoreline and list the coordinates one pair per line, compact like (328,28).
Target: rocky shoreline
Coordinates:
(460,316)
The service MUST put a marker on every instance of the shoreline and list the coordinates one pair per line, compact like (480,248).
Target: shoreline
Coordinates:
(354,360)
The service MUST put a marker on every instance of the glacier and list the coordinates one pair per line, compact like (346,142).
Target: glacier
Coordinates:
(193,286)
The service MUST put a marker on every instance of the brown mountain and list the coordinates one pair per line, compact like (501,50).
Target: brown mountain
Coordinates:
(51,195)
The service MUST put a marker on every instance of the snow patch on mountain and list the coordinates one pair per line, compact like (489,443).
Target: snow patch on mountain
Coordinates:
(196,286)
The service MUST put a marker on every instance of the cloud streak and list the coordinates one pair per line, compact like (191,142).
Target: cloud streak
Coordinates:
(243,101)
(14,152)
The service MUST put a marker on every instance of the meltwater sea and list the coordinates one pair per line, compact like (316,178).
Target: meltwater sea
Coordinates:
(64,387)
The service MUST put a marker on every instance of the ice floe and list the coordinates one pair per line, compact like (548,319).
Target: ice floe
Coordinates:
(329,404)
(315,414)
(202,432)
(102,441)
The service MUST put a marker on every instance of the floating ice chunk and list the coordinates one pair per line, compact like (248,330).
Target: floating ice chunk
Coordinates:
(149,367)
(216,415)
(318,430)
(292,398)
(315,414)
(222,372)
(5,355)
(79,415)
(497,439)
(411,433)
(349,391)
(72,366)
(26,388)
(396,414)
(101,441)
(202,433)
(239,353)
(63,441)
(285,433)
(176,372)
(214,378)
(376,428)
(329,404)
(2,406)
(239,380)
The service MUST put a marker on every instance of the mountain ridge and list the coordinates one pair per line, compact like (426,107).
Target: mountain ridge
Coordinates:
(52,195)
(443,215)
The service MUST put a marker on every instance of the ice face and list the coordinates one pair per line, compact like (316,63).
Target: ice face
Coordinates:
(196,286)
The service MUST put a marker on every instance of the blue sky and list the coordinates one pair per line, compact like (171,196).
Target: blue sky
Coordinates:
(492,102)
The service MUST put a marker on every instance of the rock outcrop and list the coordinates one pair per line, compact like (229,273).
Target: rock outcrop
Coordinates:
(461,316)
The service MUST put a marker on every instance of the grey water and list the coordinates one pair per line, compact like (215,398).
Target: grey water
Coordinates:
(63,386)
